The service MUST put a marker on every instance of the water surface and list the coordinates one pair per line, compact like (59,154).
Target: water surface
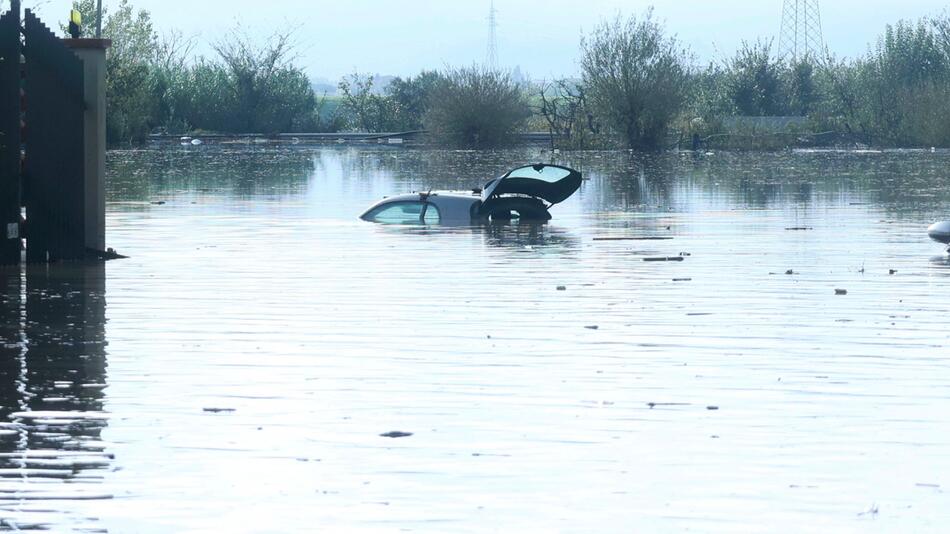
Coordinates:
(237,372)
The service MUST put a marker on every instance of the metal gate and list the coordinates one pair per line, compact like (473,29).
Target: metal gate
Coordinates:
(54,168)
(10,81)
(50,182)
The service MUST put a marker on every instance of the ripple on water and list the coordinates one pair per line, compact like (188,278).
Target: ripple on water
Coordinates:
(262,344)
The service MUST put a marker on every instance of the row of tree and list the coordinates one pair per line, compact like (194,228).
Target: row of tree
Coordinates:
(639,89)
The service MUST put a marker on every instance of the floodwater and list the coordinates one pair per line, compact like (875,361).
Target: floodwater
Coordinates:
(237,372)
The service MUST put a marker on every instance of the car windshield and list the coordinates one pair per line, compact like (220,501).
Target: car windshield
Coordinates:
(407,212)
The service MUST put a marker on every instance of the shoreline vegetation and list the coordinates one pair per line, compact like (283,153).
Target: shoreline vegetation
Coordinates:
(639,89)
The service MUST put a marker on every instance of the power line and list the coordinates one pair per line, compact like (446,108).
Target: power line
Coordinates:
(801,37)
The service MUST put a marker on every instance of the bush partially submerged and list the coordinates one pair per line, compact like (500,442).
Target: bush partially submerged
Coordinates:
(637,79)
(475,107)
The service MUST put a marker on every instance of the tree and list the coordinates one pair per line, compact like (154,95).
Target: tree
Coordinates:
(755,81)
(475,107)
(367,111)
(129,87)
(903,83)
(267,92)
(801,87)
(636,78)
(410,97)
(566,110)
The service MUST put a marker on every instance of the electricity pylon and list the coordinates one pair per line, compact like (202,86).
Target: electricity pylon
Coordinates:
(492,60)
(801,36)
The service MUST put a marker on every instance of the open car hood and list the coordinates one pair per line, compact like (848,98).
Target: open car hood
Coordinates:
(551,183)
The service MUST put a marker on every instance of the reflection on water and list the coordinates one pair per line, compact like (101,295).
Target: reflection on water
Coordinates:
(262,341)
(53,382)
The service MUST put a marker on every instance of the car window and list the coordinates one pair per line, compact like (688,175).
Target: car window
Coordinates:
(405,213)
(546,173)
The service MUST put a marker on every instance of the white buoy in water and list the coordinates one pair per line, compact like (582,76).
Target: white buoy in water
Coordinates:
(940,232)
(197,142)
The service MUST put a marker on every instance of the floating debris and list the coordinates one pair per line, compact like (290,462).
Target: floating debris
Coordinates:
(220,410)
(682,279)
(799,228)
(396,434)
(872,511)
(893,272)
(841,291)
(633,238)
(712,408)
(653,405)
(562,288)
(60,415)
(673,258)
(592,327)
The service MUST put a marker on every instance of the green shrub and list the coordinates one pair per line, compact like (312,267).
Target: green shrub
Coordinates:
(637,79)
(475,107)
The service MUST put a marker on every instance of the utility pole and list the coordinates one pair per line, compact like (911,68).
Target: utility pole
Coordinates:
(801,37)
(98,19)
(492,60)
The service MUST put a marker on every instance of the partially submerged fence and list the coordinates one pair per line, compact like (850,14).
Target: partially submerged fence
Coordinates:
(52,142)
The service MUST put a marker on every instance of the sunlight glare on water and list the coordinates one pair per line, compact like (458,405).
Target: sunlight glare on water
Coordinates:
(236,373)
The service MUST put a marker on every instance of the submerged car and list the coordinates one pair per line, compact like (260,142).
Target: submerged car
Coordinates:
(526,193)
(940,232)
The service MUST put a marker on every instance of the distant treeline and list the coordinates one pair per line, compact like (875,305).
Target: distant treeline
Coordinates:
(639,88)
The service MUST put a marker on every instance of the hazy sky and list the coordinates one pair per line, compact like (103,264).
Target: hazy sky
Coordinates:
(541,36)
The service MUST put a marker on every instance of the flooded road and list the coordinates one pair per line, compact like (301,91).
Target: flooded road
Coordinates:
(238,372)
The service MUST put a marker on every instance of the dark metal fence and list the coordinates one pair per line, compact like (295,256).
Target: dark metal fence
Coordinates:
(10,196)
(50,182)
(54,167)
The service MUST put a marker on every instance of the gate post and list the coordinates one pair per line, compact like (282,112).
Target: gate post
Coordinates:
(92,53)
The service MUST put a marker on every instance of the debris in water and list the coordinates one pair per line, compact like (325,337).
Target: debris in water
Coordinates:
(662,404)
(396,434)
(799,228)
(633,238)
(893,271)
(592,327)
(682,279)
(712,408)
(220,410)
(158,203)
(673,258)
(562,288)
(841,291)
(873,511)
(789,272)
